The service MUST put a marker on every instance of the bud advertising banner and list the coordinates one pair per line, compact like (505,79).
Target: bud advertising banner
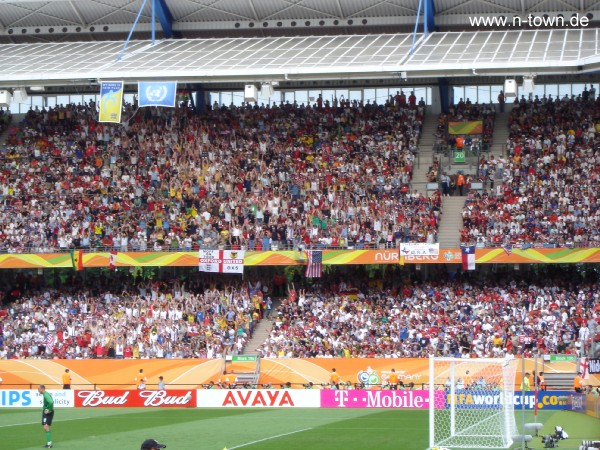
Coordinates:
(135,399)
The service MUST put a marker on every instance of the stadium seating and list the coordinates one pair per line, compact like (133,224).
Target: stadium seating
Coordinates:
(545,195)
(170,319)
(158,320)
(262,178)
(462,319)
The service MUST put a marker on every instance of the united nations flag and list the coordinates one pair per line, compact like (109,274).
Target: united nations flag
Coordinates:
(157,93)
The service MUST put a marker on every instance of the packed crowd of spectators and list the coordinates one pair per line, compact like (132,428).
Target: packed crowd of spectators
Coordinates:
(285,176)
(205,318)
(546,188)
(446,318)
(173,319)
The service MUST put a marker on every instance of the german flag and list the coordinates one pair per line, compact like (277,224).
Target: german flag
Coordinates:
(77,259)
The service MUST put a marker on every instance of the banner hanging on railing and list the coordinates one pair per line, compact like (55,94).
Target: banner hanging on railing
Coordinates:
(419,249)
(221,261)
(466,127)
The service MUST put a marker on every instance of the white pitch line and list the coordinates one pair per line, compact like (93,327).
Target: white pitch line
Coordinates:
(269,438)
(40,422)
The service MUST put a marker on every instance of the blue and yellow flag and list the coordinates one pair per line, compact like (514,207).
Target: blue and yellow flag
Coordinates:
(111,101)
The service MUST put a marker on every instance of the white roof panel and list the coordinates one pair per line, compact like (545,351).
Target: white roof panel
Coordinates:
(479,49)
(228,59)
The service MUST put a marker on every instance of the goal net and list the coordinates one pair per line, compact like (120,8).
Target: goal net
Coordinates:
(471,403)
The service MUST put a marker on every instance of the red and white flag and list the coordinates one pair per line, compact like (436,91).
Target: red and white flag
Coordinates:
(112,260)
(468,257)
(584,368)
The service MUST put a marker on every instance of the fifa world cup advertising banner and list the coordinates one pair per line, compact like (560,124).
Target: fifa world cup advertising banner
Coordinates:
(483,399)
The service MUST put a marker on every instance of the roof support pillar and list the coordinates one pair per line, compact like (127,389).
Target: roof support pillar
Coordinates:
(444,90)
(164,17)
(428,16)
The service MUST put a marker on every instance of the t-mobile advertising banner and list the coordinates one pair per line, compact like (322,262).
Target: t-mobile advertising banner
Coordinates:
(380,399)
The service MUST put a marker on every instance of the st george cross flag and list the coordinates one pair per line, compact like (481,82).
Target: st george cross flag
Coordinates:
(584,368)
(112,260)
(157,93)
(468,257)
(221,261)
(314,268)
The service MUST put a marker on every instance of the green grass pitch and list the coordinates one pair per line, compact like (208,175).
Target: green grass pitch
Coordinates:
(250,429)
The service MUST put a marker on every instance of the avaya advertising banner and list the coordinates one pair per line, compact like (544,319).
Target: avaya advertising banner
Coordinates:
(135,399)
(379,399)
(30,398)
(258,398)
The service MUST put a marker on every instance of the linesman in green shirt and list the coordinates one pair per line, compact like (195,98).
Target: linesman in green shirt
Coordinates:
(47,414)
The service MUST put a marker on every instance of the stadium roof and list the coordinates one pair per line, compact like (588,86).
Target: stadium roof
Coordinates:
(57,20)
(525,52)
(58,42)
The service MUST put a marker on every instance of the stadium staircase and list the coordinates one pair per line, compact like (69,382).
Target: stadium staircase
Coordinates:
(261,332)
(559,381)
(425,156)
(501,134)
(451,222)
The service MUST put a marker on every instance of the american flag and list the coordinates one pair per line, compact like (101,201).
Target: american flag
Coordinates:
(507,249)
(49,341)
(314,268)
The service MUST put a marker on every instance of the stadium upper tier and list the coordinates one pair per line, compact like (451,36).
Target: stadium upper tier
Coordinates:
(545,192)
(260,177)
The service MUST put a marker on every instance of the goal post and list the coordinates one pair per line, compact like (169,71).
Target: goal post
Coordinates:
(471,402)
